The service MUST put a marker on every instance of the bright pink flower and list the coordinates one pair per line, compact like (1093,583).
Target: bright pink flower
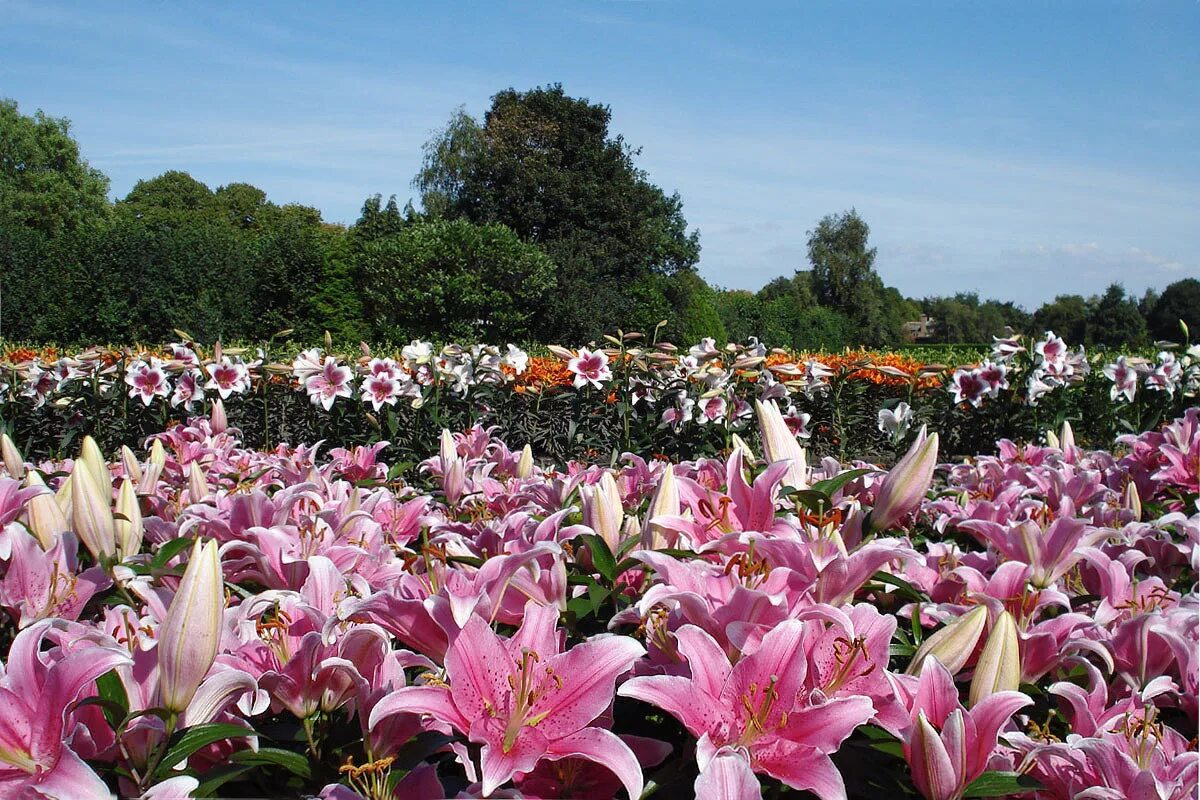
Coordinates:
(380,389)
(37,691)
(189,389)
(525,699)
(759,706)
(968,386)
(1124,378)
(228,377)
(947,745)
(590,368)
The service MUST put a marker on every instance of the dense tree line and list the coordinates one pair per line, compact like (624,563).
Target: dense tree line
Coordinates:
(534,224)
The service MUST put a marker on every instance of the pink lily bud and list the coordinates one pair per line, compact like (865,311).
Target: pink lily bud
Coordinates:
(133,470)
(154,468)
(46,520)
(97,465)
(953,644)
(525,463)
(1133,501)
(933,771)
(905,486)
(454,480)
(11,456)
(999,665)
(664,503)
(780,444)
(447,449)
(602,510)
(197,484)
(91,512)
(128,526)
(217,421)
(191,631)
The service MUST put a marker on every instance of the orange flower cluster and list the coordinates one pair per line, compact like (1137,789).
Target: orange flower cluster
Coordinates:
(543,372)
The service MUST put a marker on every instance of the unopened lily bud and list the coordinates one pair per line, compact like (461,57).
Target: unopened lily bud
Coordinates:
(933,770)
(1052,439)
(91,513)
(154,468)
(191,631)
(217,421)
(11,456)
(780,444)
(447,449)
(747,454)
(454,480)
(602,510)
(953,644)
(46,520)
(664,503)
(904,487)
(97,465)
(1066,440)
(525,462)
(999,665)
(1133,500)
(197,484)
(127,522)
(63,497)
(133,470)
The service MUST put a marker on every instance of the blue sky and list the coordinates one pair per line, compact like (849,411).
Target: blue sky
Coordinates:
(1015,149)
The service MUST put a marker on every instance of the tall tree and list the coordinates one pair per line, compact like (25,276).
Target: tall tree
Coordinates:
(1066,315)
(844,277)
(45,184)
(545,165)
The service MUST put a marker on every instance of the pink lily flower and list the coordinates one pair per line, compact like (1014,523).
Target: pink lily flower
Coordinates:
(1051,552)
(333,381)
(589,368)
(968,386)
(1124,378)
(760,706)
(147,380)
(43,583)
(189,389)
(904,487)
(37,691)
(228,377)
(948,746)
(525,699)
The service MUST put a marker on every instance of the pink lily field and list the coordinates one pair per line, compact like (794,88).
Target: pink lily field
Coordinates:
(193,618)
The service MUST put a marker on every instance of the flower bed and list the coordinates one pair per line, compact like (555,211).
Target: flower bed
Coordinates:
(592,402)
(204,619)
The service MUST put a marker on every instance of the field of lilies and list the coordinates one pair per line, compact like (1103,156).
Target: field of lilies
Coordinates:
(630,393)
(195,618)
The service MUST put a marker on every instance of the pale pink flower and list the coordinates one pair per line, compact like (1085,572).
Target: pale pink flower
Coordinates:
(189,389)
(1124,378)
(590,368)
(333,381)
(147,380)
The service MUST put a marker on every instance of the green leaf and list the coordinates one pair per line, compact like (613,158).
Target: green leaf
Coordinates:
(188,741)
(217,777)
(169,551)
(831,485)
(1000,784)
(907,590)
(675,552)
(116,701)
(602,557)
(292,762)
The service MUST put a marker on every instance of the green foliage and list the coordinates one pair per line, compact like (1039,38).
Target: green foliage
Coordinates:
(476,282)
(964,318)
(1066,316)
(45,184)
(695,310)
(544,164)
(1115,320)
(844,278)
(1179,301)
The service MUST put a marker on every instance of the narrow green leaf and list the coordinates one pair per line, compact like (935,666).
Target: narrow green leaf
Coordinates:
(830,485)
(602,557)
(168,551)
(116,701)
(188,741)
(274,756)
(217,777)
(1000,784)
(907,590)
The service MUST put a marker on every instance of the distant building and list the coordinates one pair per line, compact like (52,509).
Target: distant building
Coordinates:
(918,330)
